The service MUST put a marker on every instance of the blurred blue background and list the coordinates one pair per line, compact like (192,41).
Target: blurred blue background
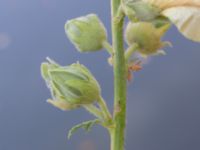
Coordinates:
(163,100)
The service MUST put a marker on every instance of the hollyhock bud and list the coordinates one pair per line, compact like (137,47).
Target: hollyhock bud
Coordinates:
(87,33)
(140,10)
(146,35)
(71,86)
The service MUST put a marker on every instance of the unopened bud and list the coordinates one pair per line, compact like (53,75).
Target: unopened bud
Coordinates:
(71,86)
(87,33)
(140,10)
(146,35)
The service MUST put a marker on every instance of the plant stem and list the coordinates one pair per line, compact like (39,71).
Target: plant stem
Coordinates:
(94,110)
(118,132)
(130,51)
(108,47)
(104,109)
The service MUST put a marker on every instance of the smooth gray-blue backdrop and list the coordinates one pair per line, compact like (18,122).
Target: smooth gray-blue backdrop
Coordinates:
(163,101)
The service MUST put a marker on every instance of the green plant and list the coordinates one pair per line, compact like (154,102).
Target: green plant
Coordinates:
(74,86)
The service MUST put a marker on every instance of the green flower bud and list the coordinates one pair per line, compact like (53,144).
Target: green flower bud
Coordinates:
(146,35)
(71,86)
(140,10)
(87,33)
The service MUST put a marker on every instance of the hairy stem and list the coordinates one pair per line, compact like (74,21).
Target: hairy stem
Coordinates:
(118,132)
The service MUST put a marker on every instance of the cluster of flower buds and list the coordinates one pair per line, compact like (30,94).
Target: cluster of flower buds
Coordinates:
(87,33)
(71,86)
(150,20)
(146,26)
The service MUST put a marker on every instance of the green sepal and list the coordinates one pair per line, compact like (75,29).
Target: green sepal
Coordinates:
(87,125)
(88,92)
(62,104)
(46,66)
(44,70)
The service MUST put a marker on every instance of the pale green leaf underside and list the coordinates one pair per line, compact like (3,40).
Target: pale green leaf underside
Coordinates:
(87,125)
(187,20)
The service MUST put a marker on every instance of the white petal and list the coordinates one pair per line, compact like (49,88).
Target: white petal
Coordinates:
(187,20)
(163,4)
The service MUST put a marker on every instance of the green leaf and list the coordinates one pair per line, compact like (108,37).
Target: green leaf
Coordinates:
(87,125)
